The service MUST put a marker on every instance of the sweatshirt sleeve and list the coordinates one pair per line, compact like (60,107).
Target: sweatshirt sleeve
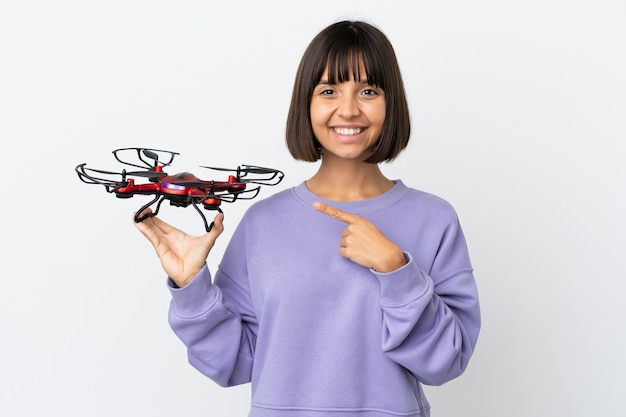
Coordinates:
(216,324)
(431,320)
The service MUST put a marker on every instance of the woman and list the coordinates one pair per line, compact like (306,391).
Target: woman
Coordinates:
(366,291)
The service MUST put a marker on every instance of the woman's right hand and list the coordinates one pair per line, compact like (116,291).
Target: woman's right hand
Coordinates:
(182,256)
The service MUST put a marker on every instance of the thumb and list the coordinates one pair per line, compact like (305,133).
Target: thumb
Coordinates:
(217,227)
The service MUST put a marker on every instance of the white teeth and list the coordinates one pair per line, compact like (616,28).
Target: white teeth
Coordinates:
(347,130)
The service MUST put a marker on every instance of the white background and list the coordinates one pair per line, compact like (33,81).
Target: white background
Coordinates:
(518,112)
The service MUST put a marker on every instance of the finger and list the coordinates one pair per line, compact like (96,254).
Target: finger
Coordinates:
(216,229)
(147,221)
(335,213)
(218,224)
(150,228)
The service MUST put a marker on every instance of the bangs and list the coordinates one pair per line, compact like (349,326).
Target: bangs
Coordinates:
(344,64)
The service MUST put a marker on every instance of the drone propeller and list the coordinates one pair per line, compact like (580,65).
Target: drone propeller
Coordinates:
(210,184)
(259,170)
(146,174)
(245,169)
(219,169)
(193,184)
(82,167)
(152,155)
(124,173)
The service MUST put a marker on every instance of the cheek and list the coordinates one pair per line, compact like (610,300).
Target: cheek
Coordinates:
(317,123)
(380,114)
(319,115)
(381,121)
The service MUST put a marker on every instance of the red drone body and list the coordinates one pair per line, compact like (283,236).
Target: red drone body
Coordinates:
(182,189)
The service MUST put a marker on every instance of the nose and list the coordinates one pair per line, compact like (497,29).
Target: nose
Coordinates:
(348,106)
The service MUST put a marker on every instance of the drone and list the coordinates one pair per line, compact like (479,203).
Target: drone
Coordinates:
(183,189)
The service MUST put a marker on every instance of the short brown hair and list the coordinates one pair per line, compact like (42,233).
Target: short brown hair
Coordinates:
(342,46)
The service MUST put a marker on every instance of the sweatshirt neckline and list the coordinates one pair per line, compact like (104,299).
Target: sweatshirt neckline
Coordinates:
(368,205)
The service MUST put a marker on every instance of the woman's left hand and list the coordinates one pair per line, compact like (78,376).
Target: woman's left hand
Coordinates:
(363,243)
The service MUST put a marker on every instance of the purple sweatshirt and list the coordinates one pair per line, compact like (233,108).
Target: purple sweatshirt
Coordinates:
(318,335)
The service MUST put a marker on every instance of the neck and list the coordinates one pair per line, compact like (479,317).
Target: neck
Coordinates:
(348,181)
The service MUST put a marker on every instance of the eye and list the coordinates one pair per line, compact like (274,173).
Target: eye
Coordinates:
(326,92)
(370,92)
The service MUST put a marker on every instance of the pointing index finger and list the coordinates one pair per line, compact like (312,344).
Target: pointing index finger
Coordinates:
(334,212)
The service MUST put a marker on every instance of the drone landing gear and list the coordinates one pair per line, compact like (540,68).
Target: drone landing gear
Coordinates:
(139,218)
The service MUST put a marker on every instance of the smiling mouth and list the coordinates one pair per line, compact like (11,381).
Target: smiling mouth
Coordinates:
(348,131)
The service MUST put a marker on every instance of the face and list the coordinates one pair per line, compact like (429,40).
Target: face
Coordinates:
(348,117)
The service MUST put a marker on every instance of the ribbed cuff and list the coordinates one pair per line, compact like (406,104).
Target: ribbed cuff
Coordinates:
(196,297)
(404,285)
